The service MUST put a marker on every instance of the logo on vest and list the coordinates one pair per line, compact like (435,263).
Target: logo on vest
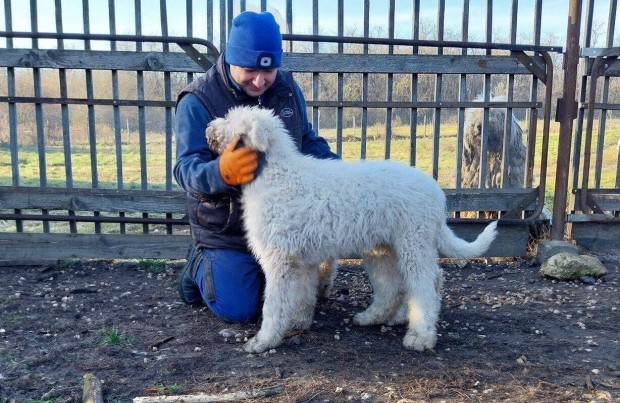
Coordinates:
(286,112)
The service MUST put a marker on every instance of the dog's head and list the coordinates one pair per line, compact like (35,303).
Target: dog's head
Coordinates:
(259,129)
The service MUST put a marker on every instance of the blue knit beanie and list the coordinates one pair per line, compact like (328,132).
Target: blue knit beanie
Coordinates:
(254,41)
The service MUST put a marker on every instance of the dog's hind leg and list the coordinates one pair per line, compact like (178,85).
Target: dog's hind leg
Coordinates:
(382,270)
(290,295)
(327,274)
(422,283)
(401,315)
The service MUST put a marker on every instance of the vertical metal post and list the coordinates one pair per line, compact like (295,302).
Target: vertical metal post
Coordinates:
(364,120)
(462,98)
(438,93)
(340,90)
(567,113)
(413,112)
(532,113)
(390,84)
(315,75)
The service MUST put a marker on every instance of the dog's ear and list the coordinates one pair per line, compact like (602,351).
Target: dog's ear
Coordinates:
(249,123)
(257,138)
(267,129)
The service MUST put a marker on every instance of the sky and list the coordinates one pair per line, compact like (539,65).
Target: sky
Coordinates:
(554,17)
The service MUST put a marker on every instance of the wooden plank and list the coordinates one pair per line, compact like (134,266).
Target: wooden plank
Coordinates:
(320,103)
(606,199)
(296,62)
(592,217)
(511,241)
(160,201)
(404,63)
(152,201)
(596,236)
(485,199)
(12,100)
(53,246)
(410,104)
(29,247)
(101,60)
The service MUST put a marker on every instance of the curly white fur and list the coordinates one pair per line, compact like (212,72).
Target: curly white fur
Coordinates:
(301,211)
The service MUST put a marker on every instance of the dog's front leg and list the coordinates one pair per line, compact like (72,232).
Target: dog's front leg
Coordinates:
(290,294)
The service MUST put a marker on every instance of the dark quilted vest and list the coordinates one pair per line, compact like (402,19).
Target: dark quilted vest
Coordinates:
(215,220)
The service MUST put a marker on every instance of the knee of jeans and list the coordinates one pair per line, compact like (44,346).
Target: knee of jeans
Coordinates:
(235,314)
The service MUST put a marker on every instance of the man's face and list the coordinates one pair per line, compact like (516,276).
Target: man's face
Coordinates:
(254,82)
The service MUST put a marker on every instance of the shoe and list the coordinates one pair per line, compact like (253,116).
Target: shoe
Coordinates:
(188,288)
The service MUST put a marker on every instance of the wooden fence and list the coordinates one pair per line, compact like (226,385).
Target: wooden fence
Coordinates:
(86,200)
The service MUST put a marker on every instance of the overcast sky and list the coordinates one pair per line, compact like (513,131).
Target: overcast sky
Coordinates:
(554,17)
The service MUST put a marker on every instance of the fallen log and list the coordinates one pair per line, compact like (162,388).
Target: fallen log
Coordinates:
(92,391)
(203,398)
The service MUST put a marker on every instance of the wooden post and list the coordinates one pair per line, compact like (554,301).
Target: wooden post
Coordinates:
(93,391)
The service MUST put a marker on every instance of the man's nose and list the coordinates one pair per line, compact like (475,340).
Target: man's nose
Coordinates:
(259,80)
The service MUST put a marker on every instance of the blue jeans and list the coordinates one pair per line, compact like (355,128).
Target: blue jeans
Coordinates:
(231,283)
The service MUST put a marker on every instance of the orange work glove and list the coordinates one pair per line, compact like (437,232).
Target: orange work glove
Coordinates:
(237,166)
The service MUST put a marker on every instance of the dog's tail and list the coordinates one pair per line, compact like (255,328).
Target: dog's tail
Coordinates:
(452,246)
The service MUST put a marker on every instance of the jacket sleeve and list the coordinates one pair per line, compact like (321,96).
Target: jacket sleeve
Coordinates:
(196,167)
(311,143)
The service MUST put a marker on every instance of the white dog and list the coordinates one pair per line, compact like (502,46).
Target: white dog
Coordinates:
(300,211)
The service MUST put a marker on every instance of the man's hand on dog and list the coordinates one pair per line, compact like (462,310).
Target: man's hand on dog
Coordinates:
(237,166)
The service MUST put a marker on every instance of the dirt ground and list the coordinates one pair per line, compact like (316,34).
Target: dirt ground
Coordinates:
(506,334)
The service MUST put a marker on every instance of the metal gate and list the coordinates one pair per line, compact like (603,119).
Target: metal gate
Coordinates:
(595,207)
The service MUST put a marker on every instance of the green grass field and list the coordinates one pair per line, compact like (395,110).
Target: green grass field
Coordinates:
(29,173)
(351,151)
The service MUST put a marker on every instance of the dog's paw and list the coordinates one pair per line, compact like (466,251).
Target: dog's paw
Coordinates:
(417,342)
(255,346)
(258,345)
(302,324)
(397,321)
(364,319)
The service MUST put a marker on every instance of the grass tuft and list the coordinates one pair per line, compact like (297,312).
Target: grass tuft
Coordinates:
(115,337)
(155,266)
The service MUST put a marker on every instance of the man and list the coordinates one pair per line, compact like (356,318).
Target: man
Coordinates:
(221,271)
